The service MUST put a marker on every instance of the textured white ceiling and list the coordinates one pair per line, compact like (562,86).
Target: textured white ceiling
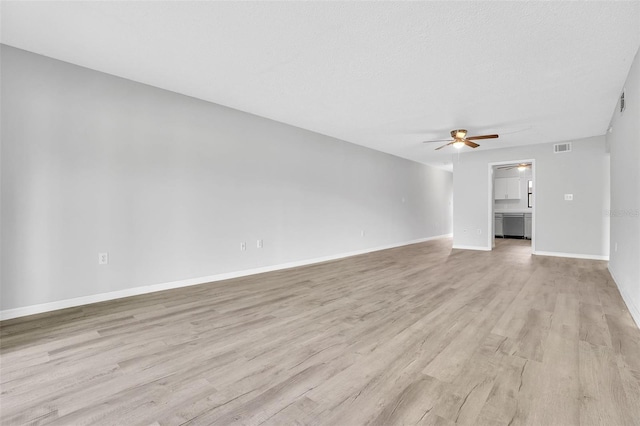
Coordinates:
(386,75)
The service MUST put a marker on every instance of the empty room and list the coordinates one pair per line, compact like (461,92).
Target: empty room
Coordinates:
(319,213)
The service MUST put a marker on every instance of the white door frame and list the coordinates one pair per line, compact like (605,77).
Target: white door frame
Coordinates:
(491,231)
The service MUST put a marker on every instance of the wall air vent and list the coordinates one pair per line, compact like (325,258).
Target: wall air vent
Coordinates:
(622,103)
(562,147)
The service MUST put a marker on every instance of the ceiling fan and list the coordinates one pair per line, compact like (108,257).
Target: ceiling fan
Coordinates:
(460,139)
(520,166)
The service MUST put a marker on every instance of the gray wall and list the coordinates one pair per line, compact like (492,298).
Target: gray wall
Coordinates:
(170,185)
(624,144)
(571,227)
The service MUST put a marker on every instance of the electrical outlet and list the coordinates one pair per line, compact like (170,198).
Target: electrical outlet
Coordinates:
(243,246)
(362,233)
(103,258)
(568,197)
(259,243)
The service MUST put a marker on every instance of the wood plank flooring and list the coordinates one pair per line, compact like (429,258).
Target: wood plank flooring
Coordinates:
(417,335)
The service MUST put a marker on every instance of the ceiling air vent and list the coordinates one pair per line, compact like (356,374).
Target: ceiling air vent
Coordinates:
(622,104)
(562,147)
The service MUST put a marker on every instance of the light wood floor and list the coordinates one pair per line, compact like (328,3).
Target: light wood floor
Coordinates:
(417,335)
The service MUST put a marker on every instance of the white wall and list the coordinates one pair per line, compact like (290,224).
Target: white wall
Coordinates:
(170,185)
(579,227)
(624,143)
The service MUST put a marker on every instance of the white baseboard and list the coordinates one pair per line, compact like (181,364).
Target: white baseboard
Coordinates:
(573,255)
(102,297)
(481,248)
(633,309)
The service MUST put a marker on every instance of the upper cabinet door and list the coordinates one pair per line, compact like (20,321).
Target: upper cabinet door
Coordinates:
(513,188)
(500,188)
(506,188)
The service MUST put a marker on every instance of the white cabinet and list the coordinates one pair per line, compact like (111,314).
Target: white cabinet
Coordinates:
(513,188)
(498,225)
(527,226)
(506,188)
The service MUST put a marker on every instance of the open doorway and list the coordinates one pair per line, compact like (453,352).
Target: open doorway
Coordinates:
(512,205)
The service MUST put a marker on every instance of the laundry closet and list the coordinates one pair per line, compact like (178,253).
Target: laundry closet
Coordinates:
(513,200)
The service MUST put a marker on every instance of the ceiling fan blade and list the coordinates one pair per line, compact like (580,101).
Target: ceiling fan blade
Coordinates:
(437,140)
(471,144)
(475,138)
(513,166)
(440,147)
